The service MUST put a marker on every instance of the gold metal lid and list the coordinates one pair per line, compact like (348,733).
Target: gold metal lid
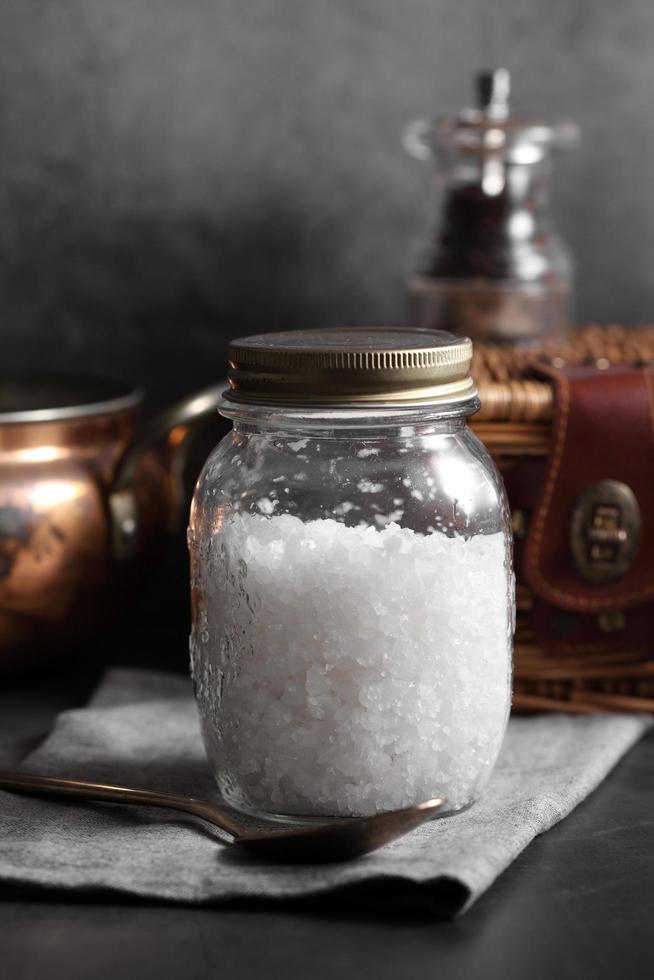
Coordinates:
(352,366)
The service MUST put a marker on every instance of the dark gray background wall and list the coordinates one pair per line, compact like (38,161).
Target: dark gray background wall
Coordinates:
(176,172)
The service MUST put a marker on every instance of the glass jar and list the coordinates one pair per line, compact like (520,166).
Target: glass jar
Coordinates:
(498,269)
(352,591)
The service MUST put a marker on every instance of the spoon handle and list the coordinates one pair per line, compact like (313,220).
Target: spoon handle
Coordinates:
(27,782)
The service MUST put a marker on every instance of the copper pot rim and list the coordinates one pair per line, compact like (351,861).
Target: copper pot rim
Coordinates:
(58,397)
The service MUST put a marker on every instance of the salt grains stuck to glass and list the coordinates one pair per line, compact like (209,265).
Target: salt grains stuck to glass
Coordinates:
(357,673)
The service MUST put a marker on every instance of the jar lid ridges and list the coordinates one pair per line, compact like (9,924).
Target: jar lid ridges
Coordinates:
(357,365)
(357,360)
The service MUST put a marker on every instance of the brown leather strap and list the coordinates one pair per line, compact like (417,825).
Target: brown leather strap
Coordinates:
(603,430)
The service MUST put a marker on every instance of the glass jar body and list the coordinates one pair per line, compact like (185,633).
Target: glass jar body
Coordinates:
(352,601)
(499,269)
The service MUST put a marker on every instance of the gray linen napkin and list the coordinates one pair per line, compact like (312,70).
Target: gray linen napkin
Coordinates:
(141,728)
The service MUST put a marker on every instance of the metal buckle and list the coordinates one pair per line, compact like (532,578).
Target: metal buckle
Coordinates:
(605,531)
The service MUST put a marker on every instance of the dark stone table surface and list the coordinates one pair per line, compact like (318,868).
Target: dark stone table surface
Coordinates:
(578,903)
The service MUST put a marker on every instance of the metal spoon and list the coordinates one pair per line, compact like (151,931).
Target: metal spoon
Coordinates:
(340,840)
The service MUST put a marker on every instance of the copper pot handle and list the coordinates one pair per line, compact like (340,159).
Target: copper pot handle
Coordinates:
(153,432)
(177,420)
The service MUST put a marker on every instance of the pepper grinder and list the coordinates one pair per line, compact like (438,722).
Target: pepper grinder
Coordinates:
(498,269)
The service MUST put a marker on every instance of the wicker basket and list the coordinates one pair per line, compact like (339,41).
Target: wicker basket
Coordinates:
(515,422)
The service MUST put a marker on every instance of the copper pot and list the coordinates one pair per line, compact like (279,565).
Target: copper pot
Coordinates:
(85,495)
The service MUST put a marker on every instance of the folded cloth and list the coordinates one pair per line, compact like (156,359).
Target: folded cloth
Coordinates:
(141,729)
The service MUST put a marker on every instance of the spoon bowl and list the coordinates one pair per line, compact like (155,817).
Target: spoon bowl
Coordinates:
(341,840)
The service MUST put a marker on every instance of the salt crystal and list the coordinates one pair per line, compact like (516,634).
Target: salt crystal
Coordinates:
(383,519)
(367,486)
(345,670)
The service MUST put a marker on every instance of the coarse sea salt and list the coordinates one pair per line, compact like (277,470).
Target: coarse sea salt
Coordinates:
(345,670)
